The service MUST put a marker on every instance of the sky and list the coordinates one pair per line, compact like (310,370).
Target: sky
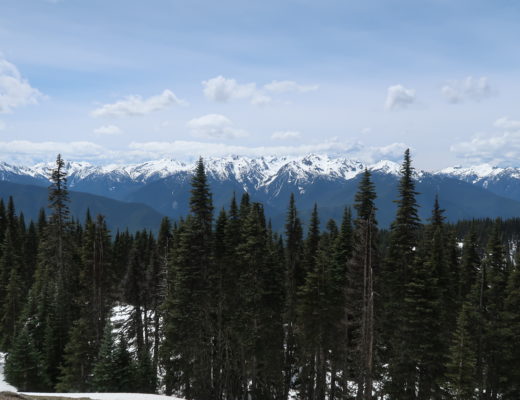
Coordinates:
(125,81)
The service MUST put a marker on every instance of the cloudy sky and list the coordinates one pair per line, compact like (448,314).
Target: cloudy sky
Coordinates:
(132,80)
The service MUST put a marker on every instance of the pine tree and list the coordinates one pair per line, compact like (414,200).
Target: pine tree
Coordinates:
(493,308)
(158,283)
(310,303)
(342,248)
(360,286)
(398,271)
(145,376)
(469,265)
(96,276)
(188,330)
(261,295)
(124,370)
(56,259)
(80,353)
(295,277)
(23,367)
(511,315)
(103,379)
(11,289)
(12,308)
(461,366)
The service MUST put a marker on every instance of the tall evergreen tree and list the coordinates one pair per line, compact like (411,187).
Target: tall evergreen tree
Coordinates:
(188,330)
(461,372)
(361,286)
(310,303)
(23,367)
(295,277)
(399,267)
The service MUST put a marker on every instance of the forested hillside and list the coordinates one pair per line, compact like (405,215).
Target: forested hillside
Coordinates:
(220,306)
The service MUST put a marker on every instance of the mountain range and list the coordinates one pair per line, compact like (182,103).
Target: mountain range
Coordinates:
(137,196)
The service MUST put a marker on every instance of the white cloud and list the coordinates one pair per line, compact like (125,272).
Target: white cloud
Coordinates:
(26,152)
(193,149)
(214,126)
(289,86)
(136,105)
(283,135)
(499,148)
(398,97)
(507,124)
(222,90)
(470,88)
(15,91)
(108,130)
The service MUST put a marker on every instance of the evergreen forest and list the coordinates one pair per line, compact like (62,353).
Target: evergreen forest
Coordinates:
(218,306)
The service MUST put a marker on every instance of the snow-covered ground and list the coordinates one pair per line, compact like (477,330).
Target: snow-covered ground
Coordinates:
(109,396)
(5,387)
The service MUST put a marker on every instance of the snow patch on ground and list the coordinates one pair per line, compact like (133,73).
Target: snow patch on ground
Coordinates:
(4,386)
(109,396)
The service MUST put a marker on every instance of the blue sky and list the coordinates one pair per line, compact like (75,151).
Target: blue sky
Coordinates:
(127,80)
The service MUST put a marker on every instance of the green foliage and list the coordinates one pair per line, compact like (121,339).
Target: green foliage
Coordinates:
(80,351)
(461,367)
(232,310)
(23,367)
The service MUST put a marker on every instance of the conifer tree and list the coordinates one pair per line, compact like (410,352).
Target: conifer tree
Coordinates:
(340,360)
(78,359)
(469,265)
(123,367)
(261,295)
(295,277)
(310,303)
(399,267)
(361,285)
(461,372)
(23,367)
(188,330)
(12,308)
(103,379)
(10,287)
(96,276)
(493,309)
(511,317)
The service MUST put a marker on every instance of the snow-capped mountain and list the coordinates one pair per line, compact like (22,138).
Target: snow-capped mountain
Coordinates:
(330,181)
(252,172)
(502,181)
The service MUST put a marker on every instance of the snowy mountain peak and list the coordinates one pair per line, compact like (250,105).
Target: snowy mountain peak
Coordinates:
(480,173)
(250,172)
(386,167)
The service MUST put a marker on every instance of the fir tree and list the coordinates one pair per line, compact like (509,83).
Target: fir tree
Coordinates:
(124,370)
(399,268)
(80,353)
(23,367)
(103,379)
(295,277)
(310,303)
(511,315)
(360,286)
(188,330)
(461,367)
(11,289)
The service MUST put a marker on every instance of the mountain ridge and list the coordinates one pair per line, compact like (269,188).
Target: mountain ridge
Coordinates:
(330,181)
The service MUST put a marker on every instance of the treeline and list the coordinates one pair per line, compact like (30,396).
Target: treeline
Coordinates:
(218,306)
